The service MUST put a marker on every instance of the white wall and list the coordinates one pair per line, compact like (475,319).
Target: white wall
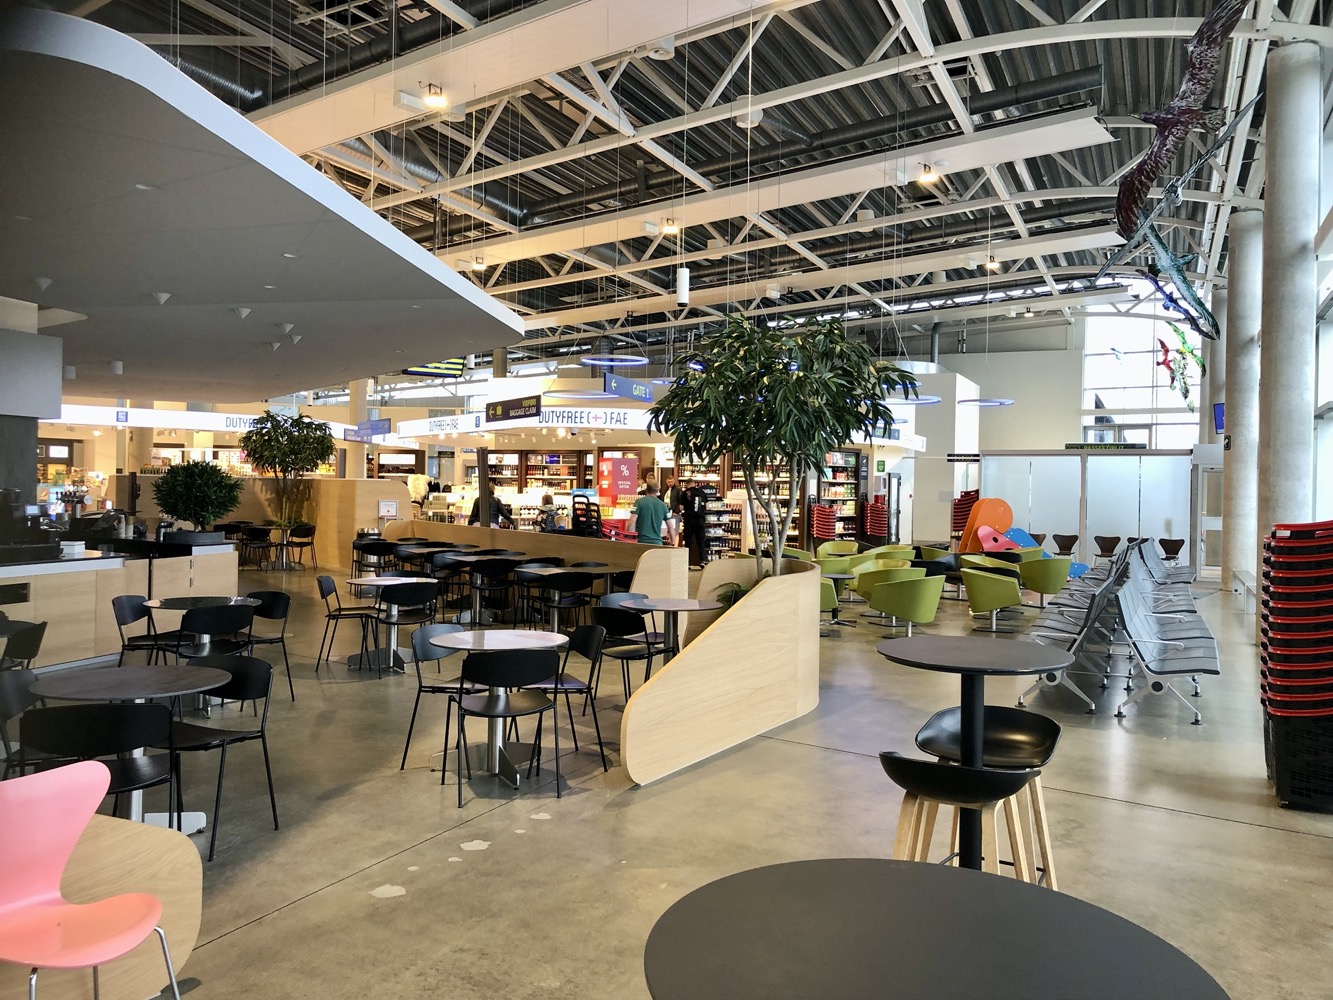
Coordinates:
(1047,390)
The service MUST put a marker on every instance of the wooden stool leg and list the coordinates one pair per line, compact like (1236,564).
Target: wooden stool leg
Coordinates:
(905,842)
(1043,845)
(1018,849)
(990,848)
(931,810)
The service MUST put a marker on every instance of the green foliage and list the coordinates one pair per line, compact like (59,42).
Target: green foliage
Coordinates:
(287,448)
(1178,366)
(196,492)
(778,399)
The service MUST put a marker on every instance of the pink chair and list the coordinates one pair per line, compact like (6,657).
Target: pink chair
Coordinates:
(42,816)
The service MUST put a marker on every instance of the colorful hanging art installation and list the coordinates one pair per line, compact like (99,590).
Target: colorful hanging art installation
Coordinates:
(1174,123)
(1177,363)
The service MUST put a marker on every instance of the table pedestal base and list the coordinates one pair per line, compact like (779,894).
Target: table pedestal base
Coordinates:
(379,659)
(191,822)
(972,725)
(504,769)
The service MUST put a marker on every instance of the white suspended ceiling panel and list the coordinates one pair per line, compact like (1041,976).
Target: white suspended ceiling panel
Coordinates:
(122,181)
(1054,133)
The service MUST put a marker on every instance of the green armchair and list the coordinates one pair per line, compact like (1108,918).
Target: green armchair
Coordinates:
(865,584)
(988,593)
(830,604)
(1045,576)
(836,548)
(914,600)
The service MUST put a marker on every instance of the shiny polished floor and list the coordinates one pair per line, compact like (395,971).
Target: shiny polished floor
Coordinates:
(378,886)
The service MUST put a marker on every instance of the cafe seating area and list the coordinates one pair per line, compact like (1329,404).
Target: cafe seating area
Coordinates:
(371,772)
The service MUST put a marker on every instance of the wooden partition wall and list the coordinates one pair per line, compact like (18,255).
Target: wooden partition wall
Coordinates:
(659,571)
(753,668)
(115,856)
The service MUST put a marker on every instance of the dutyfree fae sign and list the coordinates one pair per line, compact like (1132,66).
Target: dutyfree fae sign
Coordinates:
(181,420)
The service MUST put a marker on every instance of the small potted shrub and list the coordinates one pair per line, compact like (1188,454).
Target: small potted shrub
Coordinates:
(199,493)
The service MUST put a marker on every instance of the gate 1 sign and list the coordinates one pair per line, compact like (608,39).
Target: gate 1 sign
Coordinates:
(617,477)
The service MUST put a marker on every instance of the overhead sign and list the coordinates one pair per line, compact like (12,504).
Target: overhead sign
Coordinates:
(457,424)
(513,409)
(598,418)
(367,431)
(453,368)
(1105,446)
(618,477)
(184,420)
(618,385)
(963,457)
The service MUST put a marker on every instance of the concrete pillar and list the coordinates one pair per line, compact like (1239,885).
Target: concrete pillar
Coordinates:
(1291,218)
(357,392)
(138,440)
(500,363)
(1240,466)
(1213,388)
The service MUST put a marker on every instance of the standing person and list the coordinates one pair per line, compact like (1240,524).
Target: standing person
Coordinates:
(673,496)
(501,514)
(648,516)
(695,506)
(548,513)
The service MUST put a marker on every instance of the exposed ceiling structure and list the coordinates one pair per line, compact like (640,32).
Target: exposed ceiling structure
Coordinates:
(784,139)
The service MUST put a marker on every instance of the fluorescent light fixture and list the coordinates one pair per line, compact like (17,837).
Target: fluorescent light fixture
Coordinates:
(985,402)
(578,394)
(612,360)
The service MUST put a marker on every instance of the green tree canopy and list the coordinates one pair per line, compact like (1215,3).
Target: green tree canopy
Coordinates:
(287,448)
(198,492)
(778,400)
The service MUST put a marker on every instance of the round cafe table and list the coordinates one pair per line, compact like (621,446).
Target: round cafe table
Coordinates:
(134,683)
(190,603)
(378,658)
(869,929)
(974,659)
(671,607)
(500,756)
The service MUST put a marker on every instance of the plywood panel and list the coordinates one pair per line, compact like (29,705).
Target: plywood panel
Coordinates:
(214,573)
(754,668)
(131,579)
(68,601)
(116,856)
(716,574)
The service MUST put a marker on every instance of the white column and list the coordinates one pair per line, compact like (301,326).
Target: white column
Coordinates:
(1240,465)
(1213,387)
(1291,217)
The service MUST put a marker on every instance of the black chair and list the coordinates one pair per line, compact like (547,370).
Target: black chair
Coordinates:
(23,646)
(625,642)
(128,610)
(373,557)
(496,580)
(529,590)
(564,592)
(622,580)
(424,652)
(16,697)
(586,641)
(274,606)
(500,672)
(650,633)
(109,732)
(408,603)
(452,577)
(251,680)
(1171,548)
(300,538)
(1012,739)
(1064,544)
(258,546)
(927,785)
(226,625)
(334,612)
(1106,545)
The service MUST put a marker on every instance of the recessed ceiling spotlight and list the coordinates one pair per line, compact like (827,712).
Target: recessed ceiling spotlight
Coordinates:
(23,218)
(291,256)
(270,287)
(161,297)
(145,187)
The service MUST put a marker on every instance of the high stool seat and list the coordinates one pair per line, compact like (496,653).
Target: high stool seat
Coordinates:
(927,785)
(1012,739)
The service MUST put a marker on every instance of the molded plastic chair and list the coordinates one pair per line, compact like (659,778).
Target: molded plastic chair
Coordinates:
(987,593)
(424,652)
(274,606)
(128,609)
(42,817)
(501,671)
(626,642)
(1064,544)
(302,537)
(23,647)
(915,601)
(1106,546)
(226,625)
(586,640)
(1012,739)
(927,785)
(932,552)
(829,604)
(251,680)
(1045,576)
(258,546)
(836,548)
(1171,548)
(865,583)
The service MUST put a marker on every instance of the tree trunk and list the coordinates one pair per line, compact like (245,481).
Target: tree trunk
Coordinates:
(752,499)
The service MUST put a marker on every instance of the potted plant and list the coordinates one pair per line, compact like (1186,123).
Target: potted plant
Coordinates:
(288,448)
(778,399)
(197,492)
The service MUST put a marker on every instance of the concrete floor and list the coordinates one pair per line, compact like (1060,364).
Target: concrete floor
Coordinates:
(377,885)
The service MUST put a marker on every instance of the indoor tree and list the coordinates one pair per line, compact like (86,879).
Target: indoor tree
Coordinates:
(198,492)
(287,448)
(779,399)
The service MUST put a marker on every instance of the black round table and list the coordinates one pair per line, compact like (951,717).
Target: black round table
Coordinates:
(975,659)
(127,683)
(869,929)
(203,601)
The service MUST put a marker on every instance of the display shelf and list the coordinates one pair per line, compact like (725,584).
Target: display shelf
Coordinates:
(839,487)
